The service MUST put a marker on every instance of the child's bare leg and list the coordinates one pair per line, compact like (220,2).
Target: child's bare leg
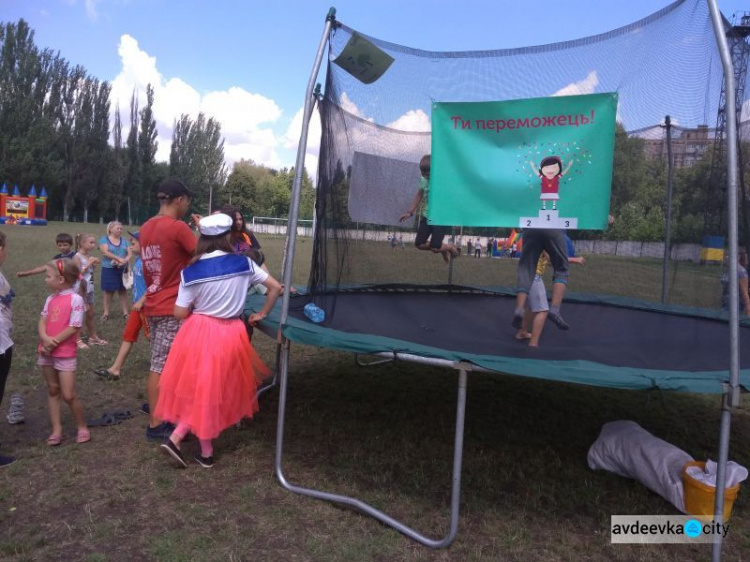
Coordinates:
(524,332)
(90,327)
(537,327)
(152,392)
(124,302)
(450,248)
(53,398)
(67,385)
(558,292)
(107,302)
(518,313)
(122,355)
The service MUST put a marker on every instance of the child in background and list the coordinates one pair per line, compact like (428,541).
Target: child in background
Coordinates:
(136,320)
(61,319)
(537,306)
(85,244)
(212,372)
(6,329)
(64,243)
(429,237)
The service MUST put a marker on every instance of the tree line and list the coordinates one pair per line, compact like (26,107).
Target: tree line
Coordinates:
(55,133)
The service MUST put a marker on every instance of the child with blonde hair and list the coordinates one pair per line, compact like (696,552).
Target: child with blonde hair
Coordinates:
(85,243)
(59,323)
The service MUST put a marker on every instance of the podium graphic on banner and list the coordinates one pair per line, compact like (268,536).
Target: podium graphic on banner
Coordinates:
(549,219)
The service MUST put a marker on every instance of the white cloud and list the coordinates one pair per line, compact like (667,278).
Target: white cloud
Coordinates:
(585,86)
(292,137)
(246,118)
(413,120)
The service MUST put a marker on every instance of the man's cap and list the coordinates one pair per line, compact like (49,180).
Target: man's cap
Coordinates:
(171,189)
(135,234)
(215,225)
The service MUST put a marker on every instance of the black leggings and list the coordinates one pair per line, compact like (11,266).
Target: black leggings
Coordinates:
(5,360)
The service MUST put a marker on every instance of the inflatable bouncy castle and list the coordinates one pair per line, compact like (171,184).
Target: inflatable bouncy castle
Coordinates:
(27,210)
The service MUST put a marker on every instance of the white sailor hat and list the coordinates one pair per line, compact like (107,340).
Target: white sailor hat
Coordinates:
(215,225)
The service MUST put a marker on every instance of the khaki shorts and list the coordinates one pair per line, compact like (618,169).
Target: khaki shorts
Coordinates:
(537,299)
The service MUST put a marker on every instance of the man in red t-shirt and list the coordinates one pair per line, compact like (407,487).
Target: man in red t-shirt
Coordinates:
(167,246)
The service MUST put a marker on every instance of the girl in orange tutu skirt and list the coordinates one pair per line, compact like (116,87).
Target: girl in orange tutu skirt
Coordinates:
(212,372)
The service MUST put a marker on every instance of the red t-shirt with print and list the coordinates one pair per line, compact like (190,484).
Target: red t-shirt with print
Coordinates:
(167,245)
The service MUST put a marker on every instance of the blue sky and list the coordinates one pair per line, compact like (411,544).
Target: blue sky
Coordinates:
(247,62)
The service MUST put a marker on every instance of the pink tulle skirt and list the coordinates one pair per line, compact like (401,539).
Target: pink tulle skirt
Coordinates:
(211,376)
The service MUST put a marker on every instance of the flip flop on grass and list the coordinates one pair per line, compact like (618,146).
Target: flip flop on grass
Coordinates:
(103,421)
(106,374)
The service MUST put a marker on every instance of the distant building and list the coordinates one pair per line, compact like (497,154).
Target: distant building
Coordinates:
(688,145)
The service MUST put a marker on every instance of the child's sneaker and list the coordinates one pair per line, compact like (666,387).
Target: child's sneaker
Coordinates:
(171,450)
(159,433)
(558,320)
(205,462)
(15,412)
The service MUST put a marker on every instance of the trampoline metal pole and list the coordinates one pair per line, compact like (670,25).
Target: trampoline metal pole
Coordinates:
(668,225)
(292,238)
(367,509)
(731,397)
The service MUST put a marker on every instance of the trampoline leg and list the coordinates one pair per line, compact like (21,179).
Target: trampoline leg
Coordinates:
(363,507)
(265,388)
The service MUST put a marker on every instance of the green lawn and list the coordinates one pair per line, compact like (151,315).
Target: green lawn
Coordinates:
(384,434)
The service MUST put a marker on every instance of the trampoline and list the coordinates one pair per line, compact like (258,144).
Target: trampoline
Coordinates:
(365,169)
(615,345)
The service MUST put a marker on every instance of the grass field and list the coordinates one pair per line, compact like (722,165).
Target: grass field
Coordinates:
(383,434)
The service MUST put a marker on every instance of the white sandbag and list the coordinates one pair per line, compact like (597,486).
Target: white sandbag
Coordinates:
(625,448)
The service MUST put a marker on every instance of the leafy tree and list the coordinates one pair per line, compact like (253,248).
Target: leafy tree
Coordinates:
(117,170)
(133,183)
(27,134)
(197,158)
(147,146)
(261,191)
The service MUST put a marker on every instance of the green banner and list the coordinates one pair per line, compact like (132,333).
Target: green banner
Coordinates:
(533,163)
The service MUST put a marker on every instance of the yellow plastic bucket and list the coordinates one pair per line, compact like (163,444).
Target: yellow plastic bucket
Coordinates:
(700,497)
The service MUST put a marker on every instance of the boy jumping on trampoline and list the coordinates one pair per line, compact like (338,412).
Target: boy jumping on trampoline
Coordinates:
(537,306)
(429,237)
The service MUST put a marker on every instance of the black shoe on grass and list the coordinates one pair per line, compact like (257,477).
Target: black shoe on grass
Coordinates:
(205,462)
(7,461)
(159,433)
(171,450)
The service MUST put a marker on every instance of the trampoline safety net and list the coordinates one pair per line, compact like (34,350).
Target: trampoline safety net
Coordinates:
(375,131)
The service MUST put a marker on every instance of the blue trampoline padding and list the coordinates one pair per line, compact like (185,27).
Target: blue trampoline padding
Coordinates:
(567,356)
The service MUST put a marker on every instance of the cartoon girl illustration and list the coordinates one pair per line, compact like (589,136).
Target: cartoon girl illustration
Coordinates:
(550,170)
